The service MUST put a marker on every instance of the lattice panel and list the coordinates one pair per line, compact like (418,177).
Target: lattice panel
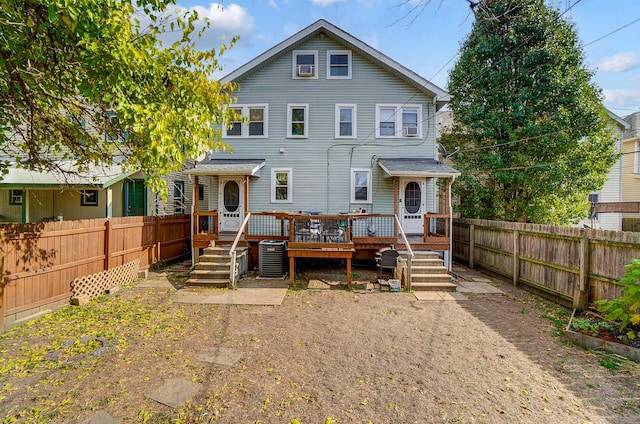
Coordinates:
(95,284)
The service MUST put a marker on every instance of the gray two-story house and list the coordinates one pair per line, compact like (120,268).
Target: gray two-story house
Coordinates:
(332,130)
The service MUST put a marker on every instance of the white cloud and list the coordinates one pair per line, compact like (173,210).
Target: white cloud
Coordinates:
(326,2)
(619,63)
(622,98)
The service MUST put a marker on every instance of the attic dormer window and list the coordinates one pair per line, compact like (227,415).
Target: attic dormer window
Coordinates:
(305,64)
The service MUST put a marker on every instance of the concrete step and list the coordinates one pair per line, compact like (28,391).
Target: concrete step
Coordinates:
(214,258)
(428,269)
(418,286)
(426,262)
(211,266)
(208,274)
(430,278)
(216,251)
(425,254)
(209,282)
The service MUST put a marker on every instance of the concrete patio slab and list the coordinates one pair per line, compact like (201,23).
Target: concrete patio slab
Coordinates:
(241,296)
(100,417)
(439,296)
(221,356)
(174,392)
(477,288)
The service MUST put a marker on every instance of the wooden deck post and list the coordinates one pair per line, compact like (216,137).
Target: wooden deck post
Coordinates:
(292,270)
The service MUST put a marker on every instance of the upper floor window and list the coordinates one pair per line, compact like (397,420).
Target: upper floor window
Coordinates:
(338,64)
(398,121)
(281,185)
(345,121)
(360,185)
(298,121)
(254,124)
(305,64)
(637,158)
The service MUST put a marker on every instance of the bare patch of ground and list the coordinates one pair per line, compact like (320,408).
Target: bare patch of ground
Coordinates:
(323,356)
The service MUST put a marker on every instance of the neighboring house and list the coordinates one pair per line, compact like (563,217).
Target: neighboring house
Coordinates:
(330,126)
(631,170)
(611,192)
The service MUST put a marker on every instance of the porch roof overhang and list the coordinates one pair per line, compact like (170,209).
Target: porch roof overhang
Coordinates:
(416,167)
(68,176)
(250,167)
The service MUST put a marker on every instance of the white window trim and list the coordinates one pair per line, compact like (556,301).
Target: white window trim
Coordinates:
(352,194)
(244,131)
(354,109)
(349,63)
(398,119)
(294,73)
(290,108)
(636,156)
(275,171)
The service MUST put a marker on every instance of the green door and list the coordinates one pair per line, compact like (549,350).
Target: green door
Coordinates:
(135,198)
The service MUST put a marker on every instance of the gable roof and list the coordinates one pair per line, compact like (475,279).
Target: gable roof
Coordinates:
(322,27)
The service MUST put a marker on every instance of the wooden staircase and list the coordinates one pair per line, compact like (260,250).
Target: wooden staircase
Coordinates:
(428,273)
(213,268)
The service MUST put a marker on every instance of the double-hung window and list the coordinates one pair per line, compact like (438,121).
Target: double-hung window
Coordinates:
(298,121)
(395,121)
(178,197)
(338,64)
(345,121)
(252,121)
(636,155)
(281,185)
(15,197)
(305,64)
(360,185)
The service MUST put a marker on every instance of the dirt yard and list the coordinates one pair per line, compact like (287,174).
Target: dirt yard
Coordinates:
(322,356)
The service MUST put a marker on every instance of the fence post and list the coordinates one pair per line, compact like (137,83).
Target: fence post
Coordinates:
(3,279)
(107,244)
(581,290)
(516,257)
(472,242)
(156,240)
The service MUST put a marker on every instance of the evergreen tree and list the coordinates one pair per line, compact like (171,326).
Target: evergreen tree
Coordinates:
(534,137)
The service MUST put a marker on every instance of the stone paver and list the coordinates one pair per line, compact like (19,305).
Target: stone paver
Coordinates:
(220,356)
(174,392)
(101,417)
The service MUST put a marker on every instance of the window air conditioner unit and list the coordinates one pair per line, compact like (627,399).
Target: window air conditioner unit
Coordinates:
(305,70)
(410,131)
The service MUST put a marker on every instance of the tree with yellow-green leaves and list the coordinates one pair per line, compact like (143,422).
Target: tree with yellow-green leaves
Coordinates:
(85,81)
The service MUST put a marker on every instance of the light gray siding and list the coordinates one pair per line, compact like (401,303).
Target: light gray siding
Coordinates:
(321,163)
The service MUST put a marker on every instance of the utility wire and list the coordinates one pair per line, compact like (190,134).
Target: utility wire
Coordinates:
(613,32)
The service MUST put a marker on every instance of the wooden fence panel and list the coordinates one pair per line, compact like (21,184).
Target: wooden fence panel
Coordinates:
(576,266)
(41,260)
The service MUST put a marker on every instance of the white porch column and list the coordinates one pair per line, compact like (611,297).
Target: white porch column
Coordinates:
(109,203)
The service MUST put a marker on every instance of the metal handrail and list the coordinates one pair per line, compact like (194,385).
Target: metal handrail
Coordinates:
(409,250)
(232,251)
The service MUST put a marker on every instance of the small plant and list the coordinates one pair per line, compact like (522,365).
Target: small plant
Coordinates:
(586,326)
(626,309)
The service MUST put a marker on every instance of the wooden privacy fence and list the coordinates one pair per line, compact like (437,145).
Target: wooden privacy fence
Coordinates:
(39,261)
(574,266)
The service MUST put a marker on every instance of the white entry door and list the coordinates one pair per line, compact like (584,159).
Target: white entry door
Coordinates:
(412,205)
(231,203)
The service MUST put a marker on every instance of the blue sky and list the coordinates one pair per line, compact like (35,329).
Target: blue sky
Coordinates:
(427,43)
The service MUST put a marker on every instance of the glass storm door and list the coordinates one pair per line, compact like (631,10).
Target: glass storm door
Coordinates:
(412,204)
(231,203)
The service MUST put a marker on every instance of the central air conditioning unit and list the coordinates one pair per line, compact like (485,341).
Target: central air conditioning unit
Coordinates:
(272,258)
(410,131)
(305,70)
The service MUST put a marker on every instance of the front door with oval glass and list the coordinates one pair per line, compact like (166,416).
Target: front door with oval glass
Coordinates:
(231,204)
(412,205)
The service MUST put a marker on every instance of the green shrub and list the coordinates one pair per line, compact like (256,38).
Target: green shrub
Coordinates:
(626,309)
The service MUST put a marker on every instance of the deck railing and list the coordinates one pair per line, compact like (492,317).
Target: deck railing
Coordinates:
(436,230)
